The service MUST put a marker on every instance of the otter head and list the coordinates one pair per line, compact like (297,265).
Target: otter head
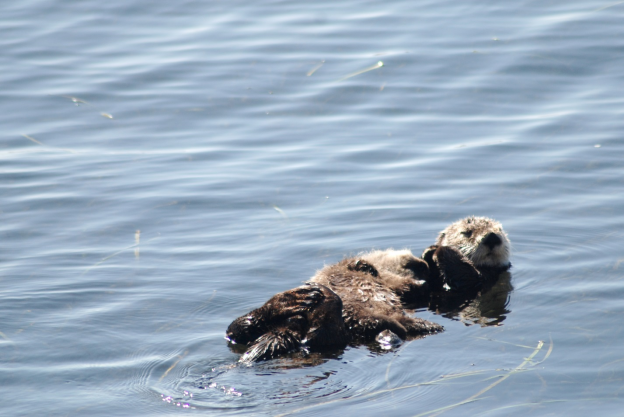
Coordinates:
(480,239)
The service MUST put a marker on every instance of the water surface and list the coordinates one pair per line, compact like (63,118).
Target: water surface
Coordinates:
(165,168)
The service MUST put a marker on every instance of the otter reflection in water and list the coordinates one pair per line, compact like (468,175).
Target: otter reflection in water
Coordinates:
(364,298)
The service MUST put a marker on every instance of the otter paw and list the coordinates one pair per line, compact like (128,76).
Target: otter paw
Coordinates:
(457,271)
(363,266)
(418,267)
(435,280)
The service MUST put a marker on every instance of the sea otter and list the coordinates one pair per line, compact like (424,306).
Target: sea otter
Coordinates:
(474,291)
(362,298)
(467,254)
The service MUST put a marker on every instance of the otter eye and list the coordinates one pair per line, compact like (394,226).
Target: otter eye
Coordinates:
(467,233)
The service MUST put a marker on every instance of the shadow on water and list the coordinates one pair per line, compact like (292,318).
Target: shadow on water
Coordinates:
(486,308)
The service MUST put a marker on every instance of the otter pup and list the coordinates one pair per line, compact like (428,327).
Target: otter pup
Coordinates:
(361,298)
(373,296)
(347,302)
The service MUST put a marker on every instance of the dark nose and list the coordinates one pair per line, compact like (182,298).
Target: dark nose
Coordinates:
(492,240)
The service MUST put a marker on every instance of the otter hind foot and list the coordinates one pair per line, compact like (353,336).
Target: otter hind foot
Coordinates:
(310,314)
(288,304)
(408,327)
(271,345)
(420,327)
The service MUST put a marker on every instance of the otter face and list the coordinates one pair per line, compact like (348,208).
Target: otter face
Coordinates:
(480,239)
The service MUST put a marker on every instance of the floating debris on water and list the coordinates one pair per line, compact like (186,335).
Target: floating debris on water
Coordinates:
(32,139)
(137,239)
(280,211)
(76,100)
(379,64)
(313,70)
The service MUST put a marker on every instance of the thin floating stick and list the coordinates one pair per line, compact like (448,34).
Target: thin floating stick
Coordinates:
(114,254)
(545,402)
(448,407)
(77,101)
(372,67)
(550,349)
(463,374)
(390,365)
(313,70)
(383,391)
(489,387)
(280,211)
(137,240)
(501,341)
(443,379)
(392,360)
(608,6)
(30,138)
(173,366)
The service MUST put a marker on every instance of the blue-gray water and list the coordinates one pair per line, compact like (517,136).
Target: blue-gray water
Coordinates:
(232,136)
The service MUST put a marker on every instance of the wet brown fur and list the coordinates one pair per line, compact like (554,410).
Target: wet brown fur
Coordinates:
(310,314)
(373,299)
(358,298)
